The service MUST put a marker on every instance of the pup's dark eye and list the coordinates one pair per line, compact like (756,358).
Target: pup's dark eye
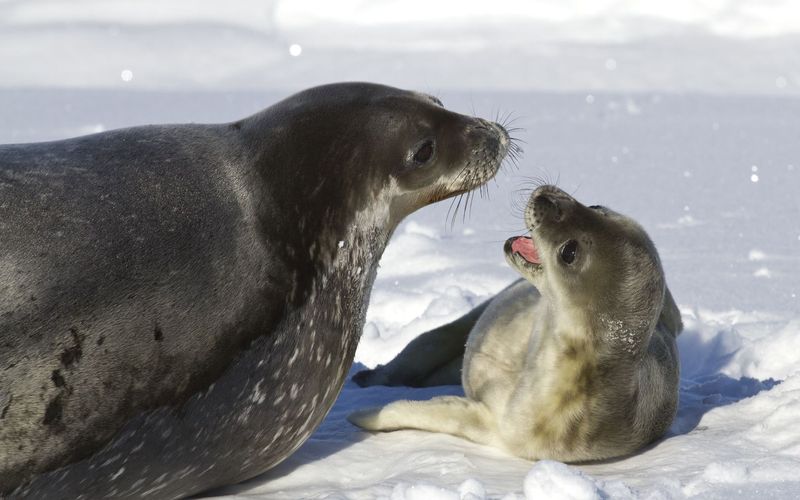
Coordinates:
(569,251)
(424,153)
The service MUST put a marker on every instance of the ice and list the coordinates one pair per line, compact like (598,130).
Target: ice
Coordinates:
(295,50)
(549,480)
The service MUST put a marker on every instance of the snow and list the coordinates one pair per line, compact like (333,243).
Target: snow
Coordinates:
(731,46)
(680,114)
(554,480)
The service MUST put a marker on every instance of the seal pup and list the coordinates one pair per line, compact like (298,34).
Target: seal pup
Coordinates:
(576,362)
(180,304)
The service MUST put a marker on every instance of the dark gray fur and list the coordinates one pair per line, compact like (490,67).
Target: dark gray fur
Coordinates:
(176,309)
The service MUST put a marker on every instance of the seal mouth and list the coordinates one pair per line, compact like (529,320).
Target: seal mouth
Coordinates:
(522,251)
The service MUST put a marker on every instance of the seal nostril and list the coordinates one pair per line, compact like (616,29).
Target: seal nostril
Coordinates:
(482,124)
(545,207)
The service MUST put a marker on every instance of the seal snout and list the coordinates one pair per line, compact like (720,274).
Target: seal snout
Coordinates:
(487,145)
(547,204)
(494,132)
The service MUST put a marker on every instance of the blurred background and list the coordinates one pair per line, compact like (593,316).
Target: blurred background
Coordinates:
(712,46)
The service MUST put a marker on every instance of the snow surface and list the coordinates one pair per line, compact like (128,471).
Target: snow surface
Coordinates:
(681,114)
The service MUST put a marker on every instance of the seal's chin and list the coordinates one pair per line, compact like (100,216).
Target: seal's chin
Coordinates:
(522,253)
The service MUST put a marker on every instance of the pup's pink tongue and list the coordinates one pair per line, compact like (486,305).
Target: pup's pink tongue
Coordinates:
(525,247)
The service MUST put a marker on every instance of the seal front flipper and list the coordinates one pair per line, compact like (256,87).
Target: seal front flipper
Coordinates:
(448,414)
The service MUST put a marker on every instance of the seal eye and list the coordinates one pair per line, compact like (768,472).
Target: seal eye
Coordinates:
(569,251)
(424,153)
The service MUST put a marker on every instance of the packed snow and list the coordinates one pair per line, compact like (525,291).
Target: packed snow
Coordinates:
(682,115)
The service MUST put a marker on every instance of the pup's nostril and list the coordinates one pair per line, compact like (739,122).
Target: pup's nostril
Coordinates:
(544,205)
(550,203)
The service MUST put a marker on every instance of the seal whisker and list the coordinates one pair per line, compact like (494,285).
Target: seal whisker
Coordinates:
(461,199)
(457,203)
(513,157)
(471,196)
(467,206)
(458,178)
(508,120)
(511,120)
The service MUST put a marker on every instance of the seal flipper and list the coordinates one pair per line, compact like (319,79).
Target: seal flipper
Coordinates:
(434,358)
(447,414)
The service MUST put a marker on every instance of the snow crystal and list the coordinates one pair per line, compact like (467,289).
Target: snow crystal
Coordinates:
(371,331)
(727,472)
(295,50)
(632,108)
(472,489)
(422,491)
(549,480)
(762,272)
(414,227)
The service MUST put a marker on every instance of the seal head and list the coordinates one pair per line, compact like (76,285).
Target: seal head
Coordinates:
(588,258)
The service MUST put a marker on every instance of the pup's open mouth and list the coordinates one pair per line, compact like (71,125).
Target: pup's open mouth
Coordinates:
(524,246)
(522,251)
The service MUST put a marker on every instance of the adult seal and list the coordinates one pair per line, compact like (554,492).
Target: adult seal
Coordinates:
(576,362)
(179,304)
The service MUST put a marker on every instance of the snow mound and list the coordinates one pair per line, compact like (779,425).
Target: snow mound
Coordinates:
(550,480)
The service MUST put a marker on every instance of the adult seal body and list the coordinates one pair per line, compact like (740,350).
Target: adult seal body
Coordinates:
(179,305)
(576,362)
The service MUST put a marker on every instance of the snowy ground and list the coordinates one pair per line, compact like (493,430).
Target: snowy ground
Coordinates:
(684,118)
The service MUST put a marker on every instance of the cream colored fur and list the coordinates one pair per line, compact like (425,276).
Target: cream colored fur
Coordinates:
(573,363)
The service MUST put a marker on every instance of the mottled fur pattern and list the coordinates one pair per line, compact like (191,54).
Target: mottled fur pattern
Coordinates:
(576,362)
(180,304)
